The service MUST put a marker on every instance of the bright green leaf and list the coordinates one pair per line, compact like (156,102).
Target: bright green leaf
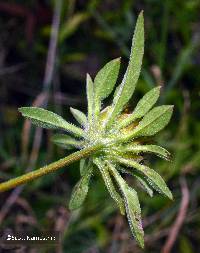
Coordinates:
(143,106)
(66,141)
(83,166)
(163,153)
(134,213)
(131,76)
(80,190)
(141,178)
(132,206)
(144,183)
(109,184)
(79,116)
(105,81)
(153,178)
(154,121)
(90,99)
(46,119)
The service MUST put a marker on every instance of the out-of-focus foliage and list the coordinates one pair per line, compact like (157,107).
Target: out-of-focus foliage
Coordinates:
(91,34)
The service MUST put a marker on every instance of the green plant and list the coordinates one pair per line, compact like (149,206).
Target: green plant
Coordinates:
(110,139)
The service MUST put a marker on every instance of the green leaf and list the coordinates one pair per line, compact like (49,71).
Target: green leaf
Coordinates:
(90,99)
(141,178)
(153,178)
(109,184)
(134,213)
(46,119)
(131,76)
(161,152)
(105,81)
(143,106)
(66,141)
(132,206)
(79,116)
(144,183)
(80,190)
(83,166)
(153,121)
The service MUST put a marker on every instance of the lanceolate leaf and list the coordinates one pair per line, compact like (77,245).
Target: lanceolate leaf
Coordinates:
(109,184)
(105,81)
(154,179)
(46,119)
(83,166)
(143,106)
(132,206)
(153,121)
(80,190)
(141,178)
(134,213)
(131,76)
(144,183)
(90,99)
(79,116)
(162,152)
(66,141)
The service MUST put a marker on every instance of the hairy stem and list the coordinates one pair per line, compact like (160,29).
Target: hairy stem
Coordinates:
(49,168)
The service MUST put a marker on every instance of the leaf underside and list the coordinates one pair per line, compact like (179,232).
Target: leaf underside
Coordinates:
(109,184)
(46,119)
(153,178)
(132,206)
(131,76)
(80,190)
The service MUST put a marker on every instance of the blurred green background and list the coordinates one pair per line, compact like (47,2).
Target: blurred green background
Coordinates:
(90,34)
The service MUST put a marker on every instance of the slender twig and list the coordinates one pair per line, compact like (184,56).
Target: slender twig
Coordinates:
(173,233)
(48,168)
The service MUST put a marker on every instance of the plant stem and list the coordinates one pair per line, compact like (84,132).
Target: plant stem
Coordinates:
(49,168)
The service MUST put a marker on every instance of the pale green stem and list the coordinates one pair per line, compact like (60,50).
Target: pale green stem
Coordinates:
(49,168)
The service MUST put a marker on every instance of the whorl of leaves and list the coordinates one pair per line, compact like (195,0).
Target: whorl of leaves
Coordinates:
(119,133)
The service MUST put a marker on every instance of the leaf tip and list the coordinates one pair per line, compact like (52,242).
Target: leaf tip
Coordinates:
(158,89)
(142,244)
(140,240)
(141,16)
(118,59)
(141,13)
(171,108)
(71,109)
(170,196)
(21,109)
